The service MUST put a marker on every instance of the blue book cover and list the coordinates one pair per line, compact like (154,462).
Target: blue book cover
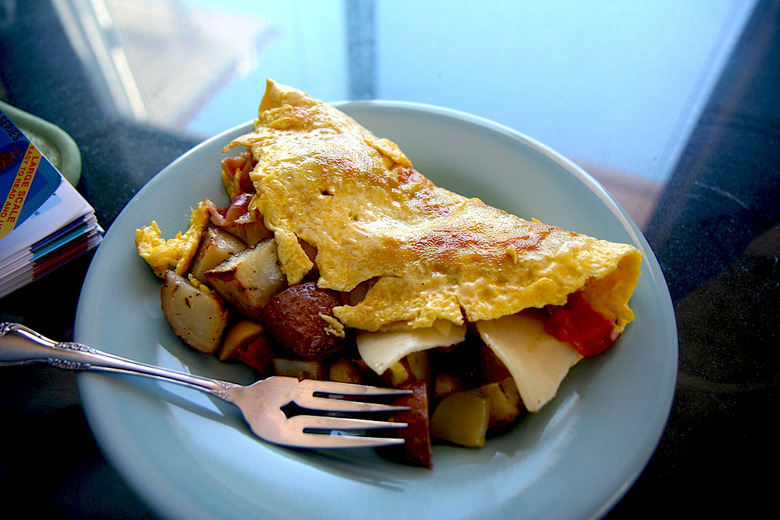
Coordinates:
(27,178)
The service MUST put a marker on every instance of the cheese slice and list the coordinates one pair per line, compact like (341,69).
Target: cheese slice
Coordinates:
(537,361)
(380,350)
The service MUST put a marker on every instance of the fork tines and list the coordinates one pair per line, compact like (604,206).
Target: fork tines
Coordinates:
(327,431)
(329,426)
(333,397)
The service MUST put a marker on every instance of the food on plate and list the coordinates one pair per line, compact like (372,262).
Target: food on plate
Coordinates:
(249,278)
(196,314)
(349,264)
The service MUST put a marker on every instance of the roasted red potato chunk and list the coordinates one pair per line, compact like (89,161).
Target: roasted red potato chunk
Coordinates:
(417,449)
(300,318)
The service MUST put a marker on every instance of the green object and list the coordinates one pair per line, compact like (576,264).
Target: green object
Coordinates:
(52,141)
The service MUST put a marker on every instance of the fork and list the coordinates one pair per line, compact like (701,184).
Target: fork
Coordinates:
(269,406)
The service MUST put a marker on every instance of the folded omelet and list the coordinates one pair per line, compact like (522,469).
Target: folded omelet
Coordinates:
(351,206)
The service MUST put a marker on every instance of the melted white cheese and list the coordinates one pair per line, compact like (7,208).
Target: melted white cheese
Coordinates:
(380,350)
(537,361)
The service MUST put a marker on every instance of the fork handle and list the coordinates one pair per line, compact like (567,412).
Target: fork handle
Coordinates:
(20,345)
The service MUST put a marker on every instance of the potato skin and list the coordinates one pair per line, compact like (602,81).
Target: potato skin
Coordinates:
(417,449)
(293,319)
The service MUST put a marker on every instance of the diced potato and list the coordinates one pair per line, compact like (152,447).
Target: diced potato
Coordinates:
(396,375)
(300,368)
(418,365)
(216,246)
(238,338)
(445,384)
(411,367)
(250,278)
(345,371)
(505,402)
(462,418)
(195,314)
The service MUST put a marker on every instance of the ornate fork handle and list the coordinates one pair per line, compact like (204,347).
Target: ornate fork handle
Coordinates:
(20,345)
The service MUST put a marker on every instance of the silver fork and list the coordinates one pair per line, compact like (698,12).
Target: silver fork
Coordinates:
(323,407)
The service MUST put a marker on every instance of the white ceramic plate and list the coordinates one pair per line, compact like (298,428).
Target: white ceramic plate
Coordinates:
(188,456)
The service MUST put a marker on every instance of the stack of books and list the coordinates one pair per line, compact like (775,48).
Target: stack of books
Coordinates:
(44,221)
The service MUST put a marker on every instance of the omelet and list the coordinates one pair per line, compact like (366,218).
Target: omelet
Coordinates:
(350,207)
(175,253)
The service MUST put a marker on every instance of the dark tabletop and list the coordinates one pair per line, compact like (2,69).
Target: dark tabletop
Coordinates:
(711,217)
